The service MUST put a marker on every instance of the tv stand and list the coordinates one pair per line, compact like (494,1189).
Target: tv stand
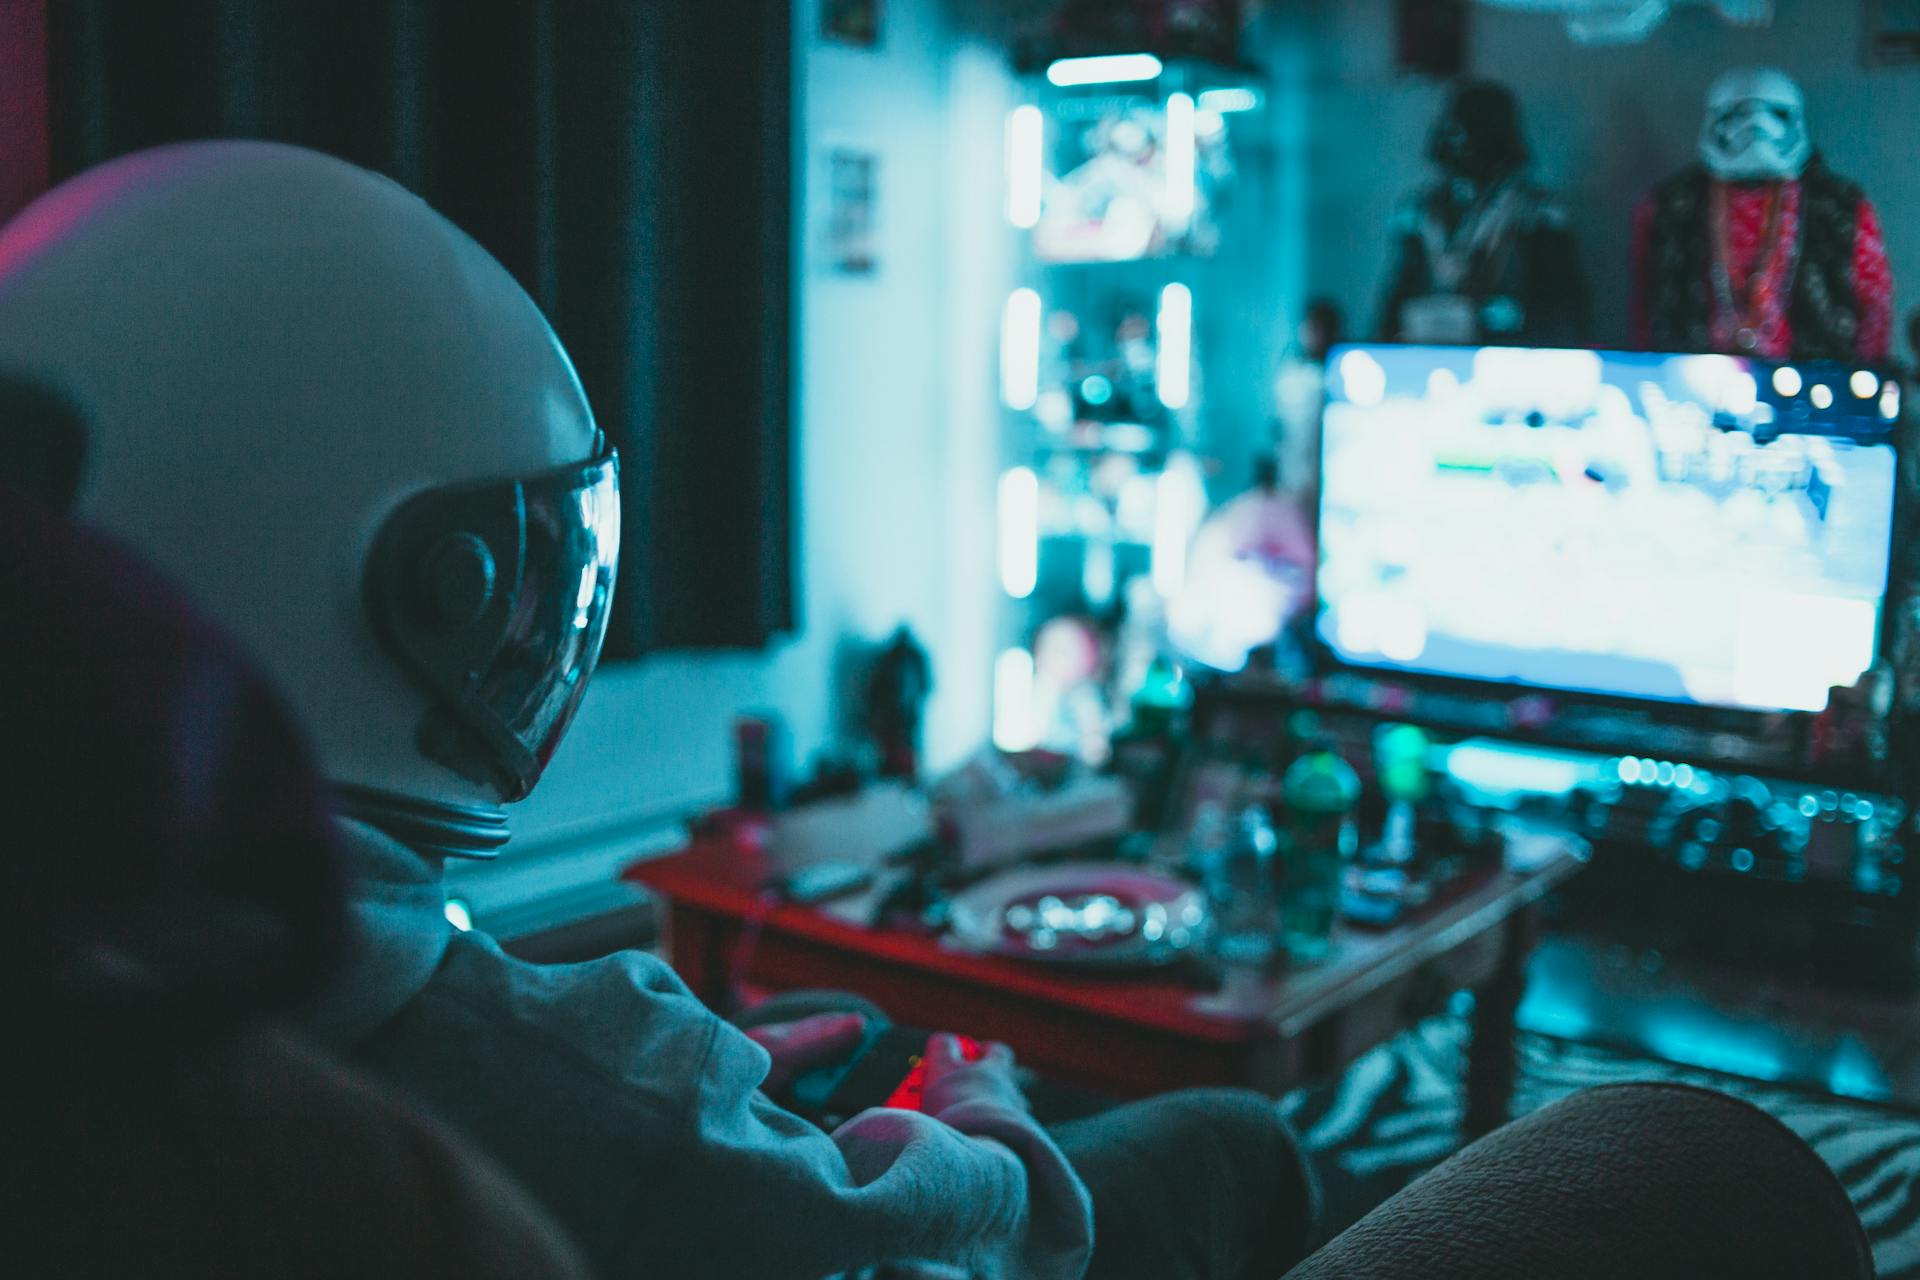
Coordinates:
(1775,867)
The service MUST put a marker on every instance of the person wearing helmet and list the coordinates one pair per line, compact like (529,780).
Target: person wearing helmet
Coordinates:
(348,431)
(165,1121)
(341,423)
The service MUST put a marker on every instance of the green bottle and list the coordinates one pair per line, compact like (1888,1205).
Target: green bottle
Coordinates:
(1400,767)
(1147,750)
(1320,793)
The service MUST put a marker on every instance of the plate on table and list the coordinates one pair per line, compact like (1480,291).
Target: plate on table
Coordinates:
(1083,913)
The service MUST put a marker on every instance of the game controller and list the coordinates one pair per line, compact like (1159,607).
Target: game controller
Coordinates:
(888,1069)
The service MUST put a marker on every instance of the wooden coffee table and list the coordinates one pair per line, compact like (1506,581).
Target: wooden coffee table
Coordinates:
(1135,1034)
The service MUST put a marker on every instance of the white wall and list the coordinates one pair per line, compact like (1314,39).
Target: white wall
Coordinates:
(1605,124)
(895,431)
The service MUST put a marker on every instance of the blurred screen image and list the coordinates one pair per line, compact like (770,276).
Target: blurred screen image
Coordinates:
(1707,530)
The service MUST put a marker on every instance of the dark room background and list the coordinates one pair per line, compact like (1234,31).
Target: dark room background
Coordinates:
(629,163)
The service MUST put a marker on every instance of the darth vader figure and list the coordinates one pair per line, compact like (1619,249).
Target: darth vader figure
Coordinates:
(1758,248)
(1483,254)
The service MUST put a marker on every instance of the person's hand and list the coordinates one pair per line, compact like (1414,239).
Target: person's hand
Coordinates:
(798,1046)
(952,1080)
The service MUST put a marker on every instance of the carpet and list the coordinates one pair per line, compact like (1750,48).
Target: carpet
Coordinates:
(1396,1113)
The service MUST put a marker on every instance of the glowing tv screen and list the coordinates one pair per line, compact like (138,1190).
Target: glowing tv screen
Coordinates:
(1701,530)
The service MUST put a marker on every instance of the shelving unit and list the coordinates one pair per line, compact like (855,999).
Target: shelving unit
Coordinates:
(1115,169)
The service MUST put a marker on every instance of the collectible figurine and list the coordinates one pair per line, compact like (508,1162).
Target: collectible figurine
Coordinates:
(1111,206)
(1249,570)
(1484,254)
(897,693)
(1759,248)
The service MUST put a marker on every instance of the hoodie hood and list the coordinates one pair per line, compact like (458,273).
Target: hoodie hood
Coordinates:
(169,864)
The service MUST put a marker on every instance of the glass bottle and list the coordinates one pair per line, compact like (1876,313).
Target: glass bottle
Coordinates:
(1240,885)
(1146,751)
(1319,793)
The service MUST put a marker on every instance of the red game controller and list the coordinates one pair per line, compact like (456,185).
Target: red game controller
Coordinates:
(910,1093)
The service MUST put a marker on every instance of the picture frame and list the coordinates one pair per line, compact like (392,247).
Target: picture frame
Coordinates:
(1431,37)
(1893,32)
(853,179)
(852,22)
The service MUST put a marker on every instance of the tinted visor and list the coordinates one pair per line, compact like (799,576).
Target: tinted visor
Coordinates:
(495,597)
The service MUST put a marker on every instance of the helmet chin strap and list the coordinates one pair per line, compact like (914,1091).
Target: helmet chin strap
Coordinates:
(432,827)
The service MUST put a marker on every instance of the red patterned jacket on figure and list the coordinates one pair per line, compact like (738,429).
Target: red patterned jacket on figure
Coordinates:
(1793,269)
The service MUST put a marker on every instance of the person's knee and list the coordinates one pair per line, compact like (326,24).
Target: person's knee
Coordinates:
(1248,1123)
(1273,1180)
(1694,1183)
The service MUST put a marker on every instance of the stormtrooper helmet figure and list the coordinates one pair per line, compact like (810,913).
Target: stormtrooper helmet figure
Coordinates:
(345,428)
(1756,127)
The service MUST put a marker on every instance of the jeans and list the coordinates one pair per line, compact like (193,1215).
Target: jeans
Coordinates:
(1206,1184)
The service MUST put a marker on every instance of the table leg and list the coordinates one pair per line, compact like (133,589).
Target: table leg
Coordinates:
(1491,1053)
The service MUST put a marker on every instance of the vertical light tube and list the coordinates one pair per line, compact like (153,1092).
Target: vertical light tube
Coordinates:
(1019,532)
(1020,350)
(1013,727)
(1180,161)
(1026,165)
(1180,500)
(1173,362)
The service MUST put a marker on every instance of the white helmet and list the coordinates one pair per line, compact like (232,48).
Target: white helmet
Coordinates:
(1756,127)
(346,428)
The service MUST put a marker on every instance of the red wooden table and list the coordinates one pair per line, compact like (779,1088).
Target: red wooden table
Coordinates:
(1132,1034)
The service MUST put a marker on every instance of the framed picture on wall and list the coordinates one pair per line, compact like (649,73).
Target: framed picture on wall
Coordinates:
(1430,37)
(853,178)
(854,22)
(1893,32)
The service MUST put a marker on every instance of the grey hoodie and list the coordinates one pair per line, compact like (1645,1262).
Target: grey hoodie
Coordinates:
(634,1114)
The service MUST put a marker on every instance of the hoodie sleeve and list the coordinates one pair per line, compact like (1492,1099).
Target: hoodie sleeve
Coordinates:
(635,1115)
(888,1186)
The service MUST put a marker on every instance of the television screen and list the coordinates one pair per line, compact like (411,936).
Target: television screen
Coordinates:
(1703,530)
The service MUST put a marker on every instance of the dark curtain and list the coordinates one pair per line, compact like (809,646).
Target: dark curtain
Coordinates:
(628,160)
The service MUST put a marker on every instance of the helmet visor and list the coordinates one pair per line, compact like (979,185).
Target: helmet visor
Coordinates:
(496,597)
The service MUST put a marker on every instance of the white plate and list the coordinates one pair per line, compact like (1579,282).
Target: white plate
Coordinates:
(1083,913)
